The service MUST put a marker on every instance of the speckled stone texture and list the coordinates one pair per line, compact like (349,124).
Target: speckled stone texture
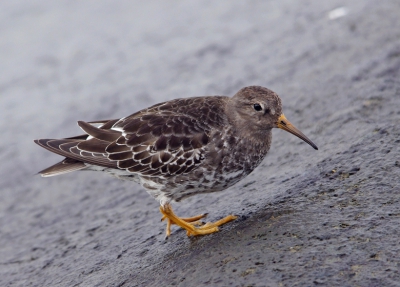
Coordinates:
(306,218)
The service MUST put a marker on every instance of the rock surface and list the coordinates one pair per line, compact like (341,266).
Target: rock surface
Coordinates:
(306,218)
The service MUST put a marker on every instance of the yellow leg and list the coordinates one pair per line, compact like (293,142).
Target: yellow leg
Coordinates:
(190,224)
(195,220)
(190,219)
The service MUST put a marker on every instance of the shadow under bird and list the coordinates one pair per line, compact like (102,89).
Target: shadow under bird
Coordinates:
(180,148)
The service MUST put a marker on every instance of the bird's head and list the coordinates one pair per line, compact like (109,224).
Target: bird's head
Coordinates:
(257,110)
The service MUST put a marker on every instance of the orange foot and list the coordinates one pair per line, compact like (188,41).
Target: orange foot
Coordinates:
(192,225)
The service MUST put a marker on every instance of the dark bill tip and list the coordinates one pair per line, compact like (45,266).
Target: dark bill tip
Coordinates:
(284,124)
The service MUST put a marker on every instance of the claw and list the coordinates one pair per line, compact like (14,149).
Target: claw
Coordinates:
(193,225)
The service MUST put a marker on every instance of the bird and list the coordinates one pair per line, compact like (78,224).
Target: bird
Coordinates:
(180,148)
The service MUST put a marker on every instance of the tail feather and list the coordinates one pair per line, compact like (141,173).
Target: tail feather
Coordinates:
(64,166)
(76,158)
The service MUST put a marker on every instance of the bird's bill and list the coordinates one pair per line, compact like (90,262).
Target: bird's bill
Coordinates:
(284,124)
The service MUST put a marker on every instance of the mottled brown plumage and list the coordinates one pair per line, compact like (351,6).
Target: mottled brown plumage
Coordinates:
(179,148)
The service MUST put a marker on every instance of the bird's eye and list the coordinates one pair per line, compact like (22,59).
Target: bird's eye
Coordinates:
(257,107)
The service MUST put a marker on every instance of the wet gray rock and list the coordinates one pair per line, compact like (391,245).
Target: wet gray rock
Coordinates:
(306,218)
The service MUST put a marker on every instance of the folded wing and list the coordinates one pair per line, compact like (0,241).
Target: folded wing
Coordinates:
(163,140)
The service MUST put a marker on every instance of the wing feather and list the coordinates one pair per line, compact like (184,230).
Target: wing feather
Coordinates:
(98,133)
(51,146)
(163,144)
(93,145)
(166,139)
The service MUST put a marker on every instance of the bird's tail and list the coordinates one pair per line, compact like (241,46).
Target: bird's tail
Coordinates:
(64,166)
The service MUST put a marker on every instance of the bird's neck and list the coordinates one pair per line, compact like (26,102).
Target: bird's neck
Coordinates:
(259,139)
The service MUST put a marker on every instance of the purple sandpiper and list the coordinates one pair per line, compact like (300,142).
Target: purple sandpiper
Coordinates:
(180,148)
